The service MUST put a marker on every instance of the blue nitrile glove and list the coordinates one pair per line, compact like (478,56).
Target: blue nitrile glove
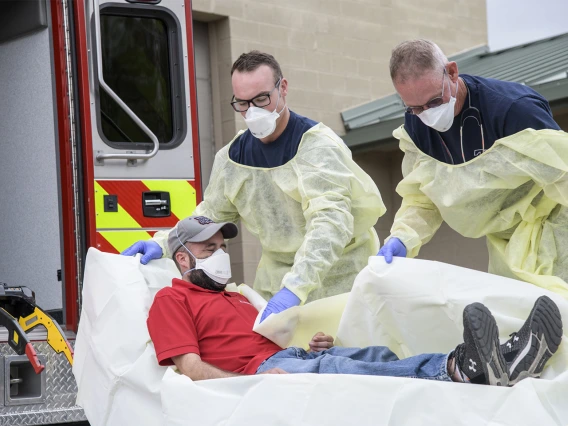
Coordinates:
(393,247)
(281,301)
(150,250)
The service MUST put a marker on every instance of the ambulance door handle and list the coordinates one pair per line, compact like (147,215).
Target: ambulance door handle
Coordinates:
(132,157)
(155,202)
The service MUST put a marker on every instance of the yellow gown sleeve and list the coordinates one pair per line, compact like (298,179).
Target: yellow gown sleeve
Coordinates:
(328,181)
(418,218)
(545,160)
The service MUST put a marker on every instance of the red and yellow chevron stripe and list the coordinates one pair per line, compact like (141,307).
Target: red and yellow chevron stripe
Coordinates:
(118,230)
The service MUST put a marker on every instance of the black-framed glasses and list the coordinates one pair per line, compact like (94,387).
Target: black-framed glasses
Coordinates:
(433,103)
(260,101)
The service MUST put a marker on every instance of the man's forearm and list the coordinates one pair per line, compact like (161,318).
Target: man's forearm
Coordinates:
(207,371)
(192,366)
(415,224)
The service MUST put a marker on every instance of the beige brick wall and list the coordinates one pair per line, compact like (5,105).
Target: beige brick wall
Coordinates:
(334,54)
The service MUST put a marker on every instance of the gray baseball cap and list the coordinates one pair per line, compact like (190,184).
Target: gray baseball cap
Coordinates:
(196,229)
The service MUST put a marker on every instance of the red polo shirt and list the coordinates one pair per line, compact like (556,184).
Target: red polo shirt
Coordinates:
(215,325)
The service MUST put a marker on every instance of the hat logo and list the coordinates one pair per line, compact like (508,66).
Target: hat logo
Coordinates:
(203,220)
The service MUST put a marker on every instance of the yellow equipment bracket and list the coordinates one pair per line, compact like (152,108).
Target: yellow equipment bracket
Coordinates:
(55,337)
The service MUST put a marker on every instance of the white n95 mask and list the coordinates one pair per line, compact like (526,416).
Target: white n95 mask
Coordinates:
(217,266)
(261,122)
(440,118)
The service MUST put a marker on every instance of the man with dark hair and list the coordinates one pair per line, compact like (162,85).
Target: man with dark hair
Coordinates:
(249,62)
(294,185)
(207,331)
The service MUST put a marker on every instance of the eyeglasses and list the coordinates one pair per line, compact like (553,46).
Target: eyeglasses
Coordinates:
(262,100)
(434,103)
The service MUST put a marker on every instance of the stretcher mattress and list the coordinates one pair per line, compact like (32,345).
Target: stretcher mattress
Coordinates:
(412,306)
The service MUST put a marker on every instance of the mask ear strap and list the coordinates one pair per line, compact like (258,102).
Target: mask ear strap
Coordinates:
(457,86)
(284,106)
(186,249)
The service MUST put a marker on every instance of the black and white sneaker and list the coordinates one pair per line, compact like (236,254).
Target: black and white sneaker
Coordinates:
(479,357)
(528,350)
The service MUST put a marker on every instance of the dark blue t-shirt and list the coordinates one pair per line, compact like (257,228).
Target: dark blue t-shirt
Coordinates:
(250,151)
(506,108)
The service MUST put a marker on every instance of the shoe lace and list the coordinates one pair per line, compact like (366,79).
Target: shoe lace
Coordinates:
(459,355)
(511,338)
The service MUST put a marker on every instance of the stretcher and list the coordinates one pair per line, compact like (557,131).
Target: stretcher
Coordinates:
(413,306)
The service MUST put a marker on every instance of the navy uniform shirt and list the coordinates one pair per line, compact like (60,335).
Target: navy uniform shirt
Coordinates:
(506,108)
(250,151)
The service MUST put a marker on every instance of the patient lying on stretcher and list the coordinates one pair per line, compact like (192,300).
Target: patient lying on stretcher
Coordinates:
(207,332)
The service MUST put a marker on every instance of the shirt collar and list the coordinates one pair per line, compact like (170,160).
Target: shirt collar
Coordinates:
(193,287)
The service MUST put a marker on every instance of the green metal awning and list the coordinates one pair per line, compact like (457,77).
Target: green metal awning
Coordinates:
(542,65)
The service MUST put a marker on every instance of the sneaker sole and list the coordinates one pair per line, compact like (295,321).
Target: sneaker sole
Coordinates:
(486,337)
(545,337)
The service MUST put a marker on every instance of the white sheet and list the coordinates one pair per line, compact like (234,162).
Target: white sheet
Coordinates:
(412,306)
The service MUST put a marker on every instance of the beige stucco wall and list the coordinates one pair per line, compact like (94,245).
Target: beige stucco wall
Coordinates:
(335,55)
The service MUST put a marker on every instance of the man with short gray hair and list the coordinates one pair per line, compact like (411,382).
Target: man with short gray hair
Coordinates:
(471,160)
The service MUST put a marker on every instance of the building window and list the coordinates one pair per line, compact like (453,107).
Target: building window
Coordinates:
(141,53)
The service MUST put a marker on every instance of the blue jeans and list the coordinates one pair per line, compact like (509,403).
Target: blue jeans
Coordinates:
(372,361)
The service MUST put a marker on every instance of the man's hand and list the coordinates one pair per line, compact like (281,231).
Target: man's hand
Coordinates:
(149,249)
(393,247)
(281,301)
(274,370)
(321,342)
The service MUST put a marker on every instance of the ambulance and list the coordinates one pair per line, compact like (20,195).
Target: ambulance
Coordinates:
(99,147)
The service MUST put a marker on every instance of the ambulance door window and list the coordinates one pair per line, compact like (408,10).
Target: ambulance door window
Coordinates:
(141,51)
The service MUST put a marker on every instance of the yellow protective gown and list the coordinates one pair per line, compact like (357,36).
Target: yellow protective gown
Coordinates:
(515,194)
(314,215)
